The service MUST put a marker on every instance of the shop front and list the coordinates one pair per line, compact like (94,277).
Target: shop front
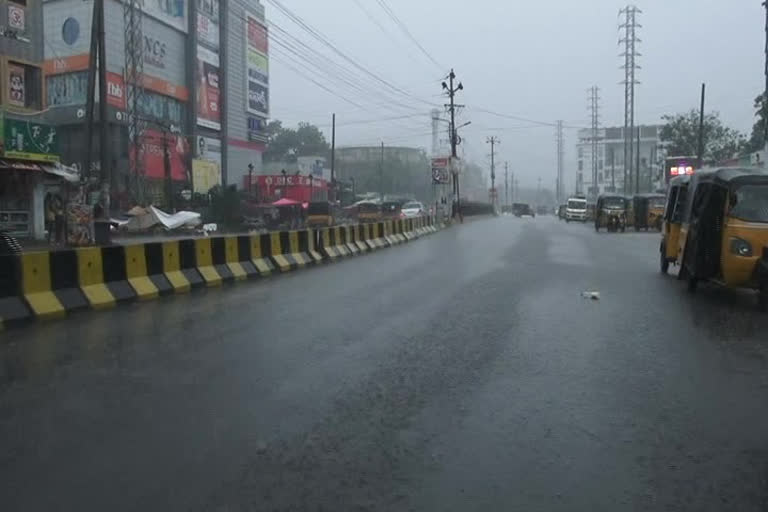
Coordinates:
(29,172)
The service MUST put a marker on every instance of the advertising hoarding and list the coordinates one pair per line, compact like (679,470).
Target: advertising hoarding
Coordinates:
(208,93)
(440,171)
(17,88)
(205,176)
(25,140)
(154,157)
(208,23)
(256,66)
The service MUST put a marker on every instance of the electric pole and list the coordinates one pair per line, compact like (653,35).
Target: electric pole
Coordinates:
(493,141)
(333,155)
(452,106)
(594,108)
(765,93)
(630,40)
(381,174)
(97,72)
(559,184)
(506,183)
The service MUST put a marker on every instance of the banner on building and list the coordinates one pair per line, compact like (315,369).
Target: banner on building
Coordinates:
(209,149)
(17,88)
(440,171)
(170,12)
(16,18)
(205,176)
(208,23)
(208,93)
(314,165)
(153,155)
(257,65)
(25,140)
(115,90)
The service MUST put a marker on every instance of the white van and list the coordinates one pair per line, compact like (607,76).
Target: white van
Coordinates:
(576,209)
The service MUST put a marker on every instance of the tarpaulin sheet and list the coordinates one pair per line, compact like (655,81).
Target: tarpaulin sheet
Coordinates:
(153,216)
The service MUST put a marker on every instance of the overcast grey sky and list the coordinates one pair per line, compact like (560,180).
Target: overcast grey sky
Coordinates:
(524,58)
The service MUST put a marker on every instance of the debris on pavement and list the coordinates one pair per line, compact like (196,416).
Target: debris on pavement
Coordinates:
(593,295)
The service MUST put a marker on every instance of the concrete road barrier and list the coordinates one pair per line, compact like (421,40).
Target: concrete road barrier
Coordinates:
(49,284)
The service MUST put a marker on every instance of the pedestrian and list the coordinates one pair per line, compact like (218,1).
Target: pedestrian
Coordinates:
(50,217)
(58,212)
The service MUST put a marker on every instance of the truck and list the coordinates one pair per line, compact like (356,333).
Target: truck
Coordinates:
(576,209)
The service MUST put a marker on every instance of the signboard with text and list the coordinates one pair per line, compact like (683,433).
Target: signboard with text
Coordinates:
(256,66)
(440,172)
(25,140)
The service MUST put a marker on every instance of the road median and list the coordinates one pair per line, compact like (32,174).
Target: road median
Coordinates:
(47,285)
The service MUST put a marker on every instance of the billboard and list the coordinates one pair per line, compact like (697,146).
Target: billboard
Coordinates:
(208,149)
(153,154)
(208,93)
(208,23)
(25,140)
(314,165)
(440,172)
(205,176)
(256,66)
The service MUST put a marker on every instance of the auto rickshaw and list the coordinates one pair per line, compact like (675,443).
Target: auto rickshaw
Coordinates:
(391,209)
(611,213)
(368,212)
(672,220)
(320,214)
(647,211)
(725,230)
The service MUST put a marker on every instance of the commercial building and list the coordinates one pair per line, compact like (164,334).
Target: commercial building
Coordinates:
(191,51)
(610,161)
(29,148)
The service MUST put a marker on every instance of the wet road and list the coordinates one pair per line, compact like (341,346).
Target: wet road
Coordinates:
(460,372)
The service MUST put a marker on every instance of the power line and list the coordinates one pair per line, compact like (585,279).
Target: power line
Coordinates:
(387,9)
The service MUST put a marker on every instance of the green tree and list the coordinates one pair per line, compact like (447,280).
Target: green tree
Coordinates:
(756,140)
(680,134)
(287,144)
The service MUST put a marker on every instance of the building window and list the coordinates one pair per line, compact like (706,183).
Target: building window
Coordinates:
(581,152)
(67,89)
(600,164)
(161,108)
(24,87)
(70,31)
(581,165)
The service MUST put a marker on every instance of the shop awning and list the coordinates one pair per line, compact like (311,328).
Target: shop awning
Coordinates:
(16,165)
(68,173)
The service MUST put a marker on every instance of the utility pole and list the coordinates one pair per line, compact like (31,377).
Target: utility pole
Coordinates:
(700,154)
(97,63)
(630,54)
(613,169)
(381,175)
(765,93)
(333,155)
(452,106)
(538,193)
(560,158)
(594,108)
(637,161)
(506,183)
(493,141)
(167,172)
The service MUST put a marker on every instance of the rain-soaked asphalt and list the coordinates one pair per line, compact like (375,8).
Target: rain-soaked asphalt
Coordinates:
(460,372)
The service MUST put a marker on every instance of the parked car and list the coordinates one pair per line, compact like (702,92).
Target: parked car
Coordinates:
(412,209)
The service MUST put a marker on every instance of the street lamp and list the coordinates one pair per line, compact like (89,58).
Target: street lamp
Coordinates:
(311,187)
(285,182)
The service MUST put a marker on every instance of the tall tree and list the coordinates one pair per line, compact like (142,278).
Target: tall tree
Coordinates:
(287,144)
(680,134)
(756,140)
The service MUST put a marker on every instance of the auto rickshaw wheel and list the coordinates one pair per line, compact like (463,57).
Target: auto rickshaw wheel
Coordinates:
(762,297)
(693,283)
(663,261)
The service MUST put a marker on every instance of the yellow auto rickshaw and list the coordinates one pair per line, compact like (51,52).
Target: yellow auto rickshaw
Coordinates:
(647,211)
(611,213)
(672,221)
(725,230)
(368,212)
(320,214)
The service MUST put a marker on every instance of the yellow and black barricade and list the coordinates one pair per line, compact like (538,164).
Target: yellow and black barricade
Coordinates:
(49,283)
(13,310)
(179,265)
(307,245)
(102,276)
(279,254)
(261,246)
(347,240)
(357,237)
(144,270)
